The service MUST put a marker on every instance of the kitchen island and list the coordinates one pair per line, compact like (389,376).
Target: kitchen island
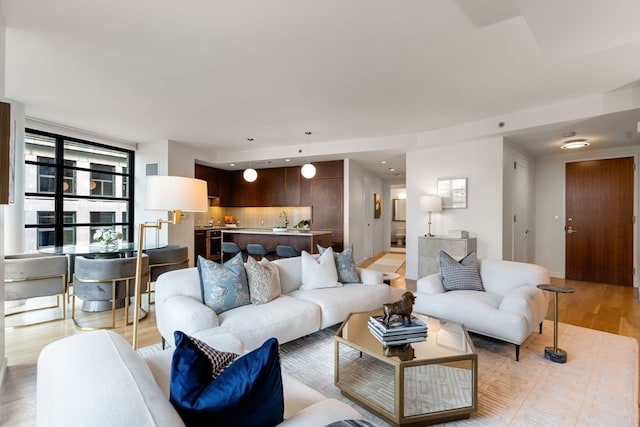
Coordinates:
(300,240)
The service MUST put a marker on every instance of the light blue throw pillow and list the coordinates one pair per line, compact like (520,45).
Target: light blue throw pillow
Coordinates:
(224,286)
(346,266)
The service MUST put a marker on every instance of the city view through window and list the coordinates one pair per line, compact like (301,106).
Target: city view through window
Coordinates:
(74,188)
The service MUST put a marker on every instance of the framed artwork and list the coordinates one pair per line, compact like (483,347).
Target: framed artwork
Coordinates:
(7,156)
(453,192)
(377,205)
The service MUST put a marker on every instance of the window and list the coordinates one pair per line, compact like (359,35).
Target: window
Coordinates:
(73,187)
(46,231)
(102,180)
(106,220)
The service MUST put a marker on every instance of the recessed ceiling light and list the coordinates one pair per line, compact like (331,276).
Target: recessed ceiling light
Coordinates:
(575,143)
(287,160)
(568,134)
(384,162)
(232,164)
(392,169)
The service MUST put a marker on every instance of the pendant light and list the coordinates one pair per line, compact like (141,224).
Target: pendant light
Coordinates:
(308,170)
(250,174)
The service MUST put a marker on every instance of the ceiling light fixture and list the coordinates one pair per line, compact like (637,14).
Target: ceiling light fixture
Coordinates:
(308,170)
(568,134)
(575,143)
(250,174)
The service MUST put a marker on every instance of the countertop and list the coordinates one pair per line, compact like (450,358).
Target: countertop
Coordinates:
(288,232)
(266,230)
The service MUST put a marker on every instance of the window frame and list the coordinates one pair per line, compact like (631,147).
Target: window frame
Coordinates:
(65,171)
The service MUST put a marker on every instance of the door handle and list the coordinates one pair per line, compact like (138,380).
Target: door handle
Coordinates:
(570,230)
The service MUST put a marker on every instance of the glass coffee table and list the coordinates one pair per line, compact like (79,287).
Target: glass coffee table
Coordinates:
(425,382)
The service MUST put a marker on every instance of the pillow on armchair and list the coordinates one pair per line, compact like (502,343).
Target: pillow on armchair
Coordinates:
(460,275)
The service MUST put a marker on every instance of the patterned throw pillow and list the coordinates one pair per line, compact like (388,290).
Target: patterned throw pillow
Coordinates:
(223,286)
(318,273)
(264,280)
(346,266)
(460,275)
(250,385)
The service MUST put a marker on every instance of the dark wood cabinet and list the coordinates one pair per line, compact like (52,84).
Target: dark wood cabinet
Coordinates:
(200,243)
(285,187)
(325,194)
(271,187)
(292,186)
(241,192)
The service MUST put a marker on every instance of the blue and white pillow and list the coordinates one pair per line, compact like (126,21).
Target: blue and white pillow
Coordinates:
(460,275)
(224,286)
(345,265)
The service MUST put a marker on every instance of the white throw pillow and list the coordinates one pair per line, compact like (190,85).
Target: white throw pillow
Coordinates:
(319,273)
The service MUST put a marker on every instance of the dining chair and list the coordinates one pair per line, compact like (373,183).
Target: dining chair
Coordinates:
(103,284)
(161,260)
(33,275)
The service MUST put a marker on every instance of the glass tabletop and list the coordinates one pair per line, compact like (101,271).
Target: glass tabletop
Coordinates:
(445,339)
(97,248)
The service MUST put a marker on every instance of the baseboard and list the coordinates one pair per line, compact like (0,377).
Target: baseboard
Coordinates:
(3,370)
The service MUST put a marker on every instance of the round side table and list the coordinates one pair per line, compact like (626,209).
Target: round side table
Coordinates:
(387,277)
(554,353)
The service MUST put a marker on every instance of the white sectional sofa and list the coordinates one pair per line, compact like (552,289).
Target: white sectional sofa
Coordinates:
(294,314)
(97,379)
(510,309)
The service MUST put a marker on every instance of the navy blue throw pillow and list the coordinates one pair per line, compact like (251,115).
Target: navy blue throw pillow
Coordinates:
(248,392)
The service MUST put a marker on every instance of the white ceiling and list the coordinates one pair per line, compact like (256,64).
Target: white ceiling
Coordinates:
(212,73)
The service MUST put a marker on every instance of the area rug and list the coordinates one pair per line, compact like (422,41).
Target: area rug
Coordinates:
(389,263)
(598,386)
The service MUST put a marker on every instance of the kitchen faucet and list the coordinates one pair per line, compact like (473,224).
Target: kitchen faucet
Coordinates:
(285,221)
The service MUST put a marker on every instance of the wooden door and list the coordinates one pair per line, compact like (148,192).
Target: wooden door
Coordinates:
(599,221)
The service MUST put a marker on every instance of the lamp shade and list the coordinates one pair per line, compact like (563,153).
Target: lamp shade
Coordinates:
(308,170)
(172,193)
(250,175)
(431,203)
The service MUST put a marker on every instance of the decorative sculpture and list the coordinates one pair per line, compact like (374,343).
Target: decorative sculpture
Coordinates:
(403,352)
(402,308)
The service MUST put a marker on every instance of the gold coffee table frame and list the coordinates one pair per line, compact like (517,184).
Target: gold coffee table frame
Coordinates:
(428,382)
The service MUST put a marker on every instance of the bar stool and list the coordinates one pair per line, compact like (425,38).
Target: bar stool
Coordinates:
(284,251)
(229,248)
(257,250)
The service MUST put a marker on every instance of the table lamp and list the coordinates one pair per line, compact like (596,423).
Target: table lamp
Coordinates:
(166,193)
(430,204)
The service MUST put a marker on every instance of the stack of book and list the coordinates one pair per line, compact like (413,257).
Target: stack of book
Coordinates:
(398,332)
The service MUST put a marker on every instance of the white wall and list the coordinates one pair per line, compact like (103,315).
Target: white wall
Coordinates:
(511,154)
(481,161)
(550,206)
(174,159)
(362,231)
(14,214)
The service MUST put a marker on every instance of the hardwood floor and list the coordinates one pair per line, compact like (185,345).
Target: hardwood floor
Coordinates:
(609,308)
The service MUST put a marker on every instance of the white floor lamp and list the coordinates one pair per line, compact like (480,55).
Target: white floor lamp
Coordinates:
(430,204)
(166,193)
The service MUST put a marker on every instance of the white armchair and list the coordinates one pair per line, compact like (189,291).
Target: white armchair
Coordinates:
(510,309)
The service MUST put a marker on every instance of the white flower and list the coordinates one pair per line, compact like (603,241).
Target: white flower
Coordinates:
(108,236)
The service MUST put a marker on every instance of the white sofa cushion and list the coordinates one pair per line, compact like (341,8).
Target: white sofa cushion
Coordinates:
(337,303)
(284,318)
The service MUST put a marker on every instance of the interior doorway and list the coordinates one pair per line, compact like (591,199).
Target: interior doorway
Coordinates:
(599,221)
(398,219)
